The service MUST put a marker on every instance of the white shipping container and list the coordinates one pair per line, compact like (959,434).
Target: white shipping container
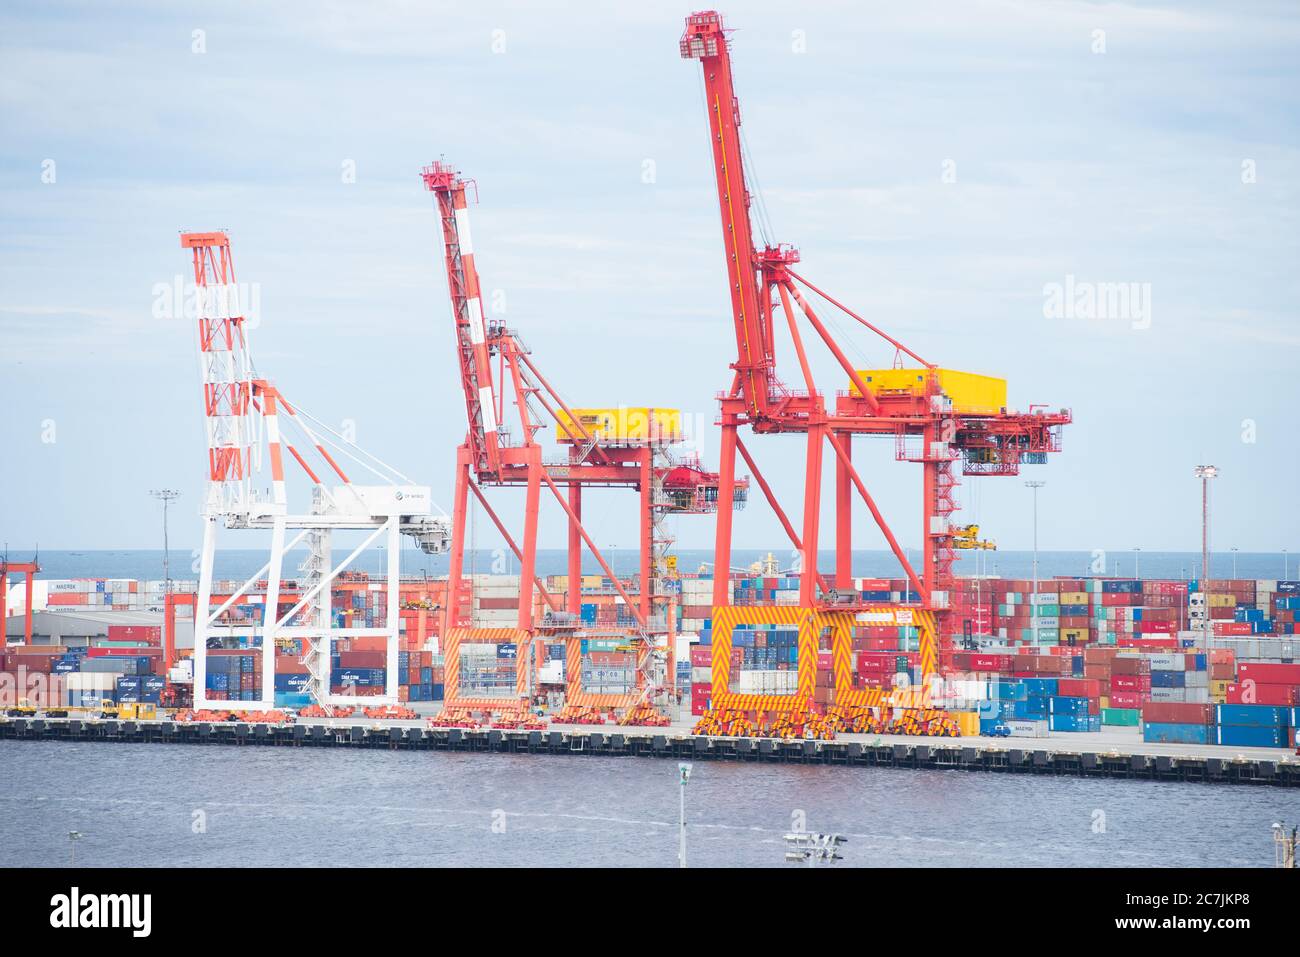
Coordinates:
(92,680)
(1168,694)
(1027,729)
(1168,662)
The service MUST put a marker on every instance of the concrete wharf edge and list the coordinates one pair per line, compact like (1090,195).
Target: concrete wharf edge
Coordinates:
(1112,759)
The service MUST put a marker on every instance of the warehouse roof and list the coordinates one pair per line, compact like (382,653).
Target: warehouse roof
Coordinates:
(53,627)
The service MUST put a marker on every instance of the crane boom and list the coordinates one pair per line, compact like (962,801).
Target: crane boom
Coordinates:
(467,307)
(704,40)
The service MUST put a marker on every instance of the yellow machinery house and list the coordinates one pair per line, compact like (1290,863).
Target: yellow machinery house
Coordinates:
(621,426)
(968,391)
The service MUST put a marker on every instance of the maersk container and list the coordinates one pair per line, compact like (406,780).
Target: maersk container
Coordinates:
(1248,736)
(1176,733)
(1251,715)
(1027,729)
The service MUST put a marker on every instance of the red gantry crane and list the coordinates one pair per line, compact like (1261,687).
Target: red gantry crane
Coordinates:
(609,447)
(29,571)
(941,418)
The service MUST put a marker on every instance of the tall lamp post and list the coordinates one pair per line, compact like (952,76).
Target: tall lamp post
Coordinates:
(166,496)
(1137,551)
(1033,598)
(684,770)
(1234,561)
(1205,473)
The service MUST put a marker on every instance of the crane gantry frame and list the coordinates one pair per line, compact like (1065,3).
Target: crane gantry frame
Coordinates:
(927,425)
(242,418)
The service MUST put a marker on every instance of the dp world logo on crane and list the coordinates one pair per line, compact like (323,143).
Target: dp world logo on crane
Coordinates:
(180,299)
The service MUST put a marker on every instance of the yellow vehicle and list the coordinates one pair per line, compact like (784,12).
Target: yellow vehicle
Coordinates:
(967,536)
(128,711)
(23,709)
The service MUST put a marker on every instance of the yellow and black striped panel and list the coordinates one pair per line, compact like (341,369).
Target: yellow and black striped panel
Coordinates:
(583,699)
(730,701)
(451,643)
(724,620)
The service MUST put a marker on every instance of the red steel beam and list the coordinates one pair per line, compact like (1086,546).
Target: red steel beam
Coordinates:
(880,519)
(776,507)
(594,550)
(845,364)
(845,309)
(478,494)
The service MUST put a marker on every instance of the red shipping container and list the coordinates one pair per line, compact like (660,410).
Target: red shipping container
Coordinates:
(701,656)
(1079,688)
(147,633)
(1177,712)
(1130,682)
(1125,699)
(1272,674)
(1251,693)
(289,665)
(363,659)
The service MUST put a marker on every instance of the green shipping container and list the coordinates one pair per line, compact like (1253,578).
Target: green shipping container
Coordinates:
(1124,717)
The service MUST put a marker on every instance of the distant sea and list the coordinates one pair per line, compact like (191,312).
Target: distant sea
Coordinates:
(148,563)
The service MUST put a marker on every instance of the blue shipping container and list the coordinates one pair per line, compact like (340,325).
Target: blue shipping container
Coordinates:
(1250,737)
(1074,722)
(1251,715)
(1176,733)
(1060,705)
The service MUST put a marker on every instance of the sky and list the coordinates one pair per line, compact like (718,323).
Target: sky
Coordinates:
(942,168)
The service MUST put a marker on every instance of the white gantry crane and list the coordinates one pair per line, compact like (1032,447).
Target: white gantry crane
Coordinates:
(244,415)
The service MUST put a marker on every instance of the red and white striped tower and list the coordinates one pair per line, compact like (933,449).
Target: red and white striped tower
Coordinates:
(225,369)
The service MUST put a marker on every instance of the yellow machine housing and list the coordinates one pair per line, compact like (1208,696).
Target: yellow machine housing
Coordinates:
(622,426)
(968,391)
